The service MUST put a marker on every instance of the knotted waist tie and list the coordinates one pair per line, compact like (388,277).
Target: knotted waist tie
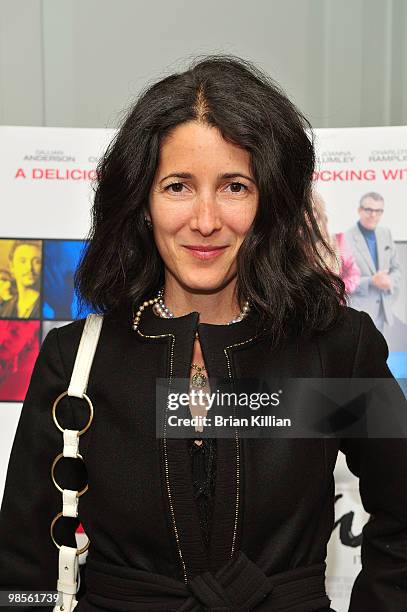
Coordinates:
(240,585)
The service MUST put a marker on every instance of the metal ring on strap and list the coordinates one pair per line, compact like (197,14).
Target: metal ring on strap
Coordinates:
(57,458)
(54,520)
(54,407)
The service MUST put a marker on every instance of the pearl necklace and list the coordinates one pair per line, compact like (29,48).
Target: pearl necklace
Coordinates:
(163,311)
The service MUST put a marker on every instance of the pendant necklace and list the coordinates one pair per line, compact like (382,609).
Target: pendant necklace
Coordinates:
(199,380)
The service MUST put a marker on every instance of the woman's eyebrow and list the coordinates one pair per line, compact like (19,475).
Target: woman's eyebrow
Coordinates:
(188,175)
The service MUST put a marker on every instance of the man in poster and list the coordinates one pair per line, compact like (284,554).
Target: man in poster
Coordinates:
(376,256)
(25,263)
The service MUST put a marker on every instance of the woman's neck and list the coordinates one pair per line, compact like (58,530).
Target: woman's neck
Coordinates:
(218,308)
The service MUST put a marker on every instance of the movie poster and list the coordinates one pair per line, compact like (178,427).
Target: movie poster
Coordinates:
(361,179)
(361,187)
(46,181)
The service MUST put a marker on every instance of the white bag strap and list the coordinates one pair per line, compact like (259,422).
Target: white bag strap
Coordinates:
(68,575)
(84,357)
(68,557)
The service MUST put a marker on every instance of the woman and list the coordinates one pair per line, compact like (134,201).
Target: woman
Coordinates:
(343,262)
(202,207)
(7,288)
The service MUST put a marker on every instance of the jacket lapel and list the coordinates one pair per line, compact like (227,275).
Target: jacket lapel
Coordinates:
(363,249)
(381,245)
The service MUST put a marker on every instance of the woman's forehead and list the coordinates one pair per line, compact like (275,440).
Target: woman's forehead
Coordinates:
(193,146)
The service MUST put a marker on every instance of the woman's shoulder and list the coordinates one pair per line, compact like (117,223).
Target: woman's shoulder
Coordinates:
(351,339)
(112,332)
(343,330)
(349,321)
(70,332)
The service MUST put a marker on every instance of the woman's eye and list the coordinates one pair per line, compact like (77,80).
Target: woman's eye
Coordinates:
(177,185)
(238,185)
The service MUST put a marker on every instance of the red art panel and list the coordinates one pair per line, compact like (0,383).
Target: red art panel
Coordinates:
(19,347)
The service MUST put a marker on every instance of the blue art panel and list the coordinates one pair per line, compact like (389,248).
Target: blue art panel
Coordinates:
(60,260)
(397,362)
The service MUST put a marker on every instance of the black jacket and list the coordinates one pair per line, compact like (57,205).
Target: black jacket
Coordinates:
(274,498)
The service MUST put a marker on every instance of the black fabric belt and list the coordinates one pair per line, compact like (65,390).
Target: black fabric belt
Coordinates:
(239,586)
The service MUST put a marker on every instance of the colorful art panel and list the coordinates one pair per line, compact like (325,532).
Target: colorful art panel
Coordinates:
(19,347)
(20,278)
(61,258)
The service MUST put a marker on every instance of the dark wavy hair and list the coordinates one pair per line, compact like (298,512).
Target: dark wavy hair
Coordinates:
(278,264)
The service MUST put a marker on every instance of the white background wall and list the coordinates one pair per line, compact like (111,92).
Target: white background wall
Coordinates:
(78,63)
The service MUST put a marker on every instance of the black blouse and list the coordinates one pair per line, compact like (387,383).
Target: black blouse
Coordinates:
(203,466)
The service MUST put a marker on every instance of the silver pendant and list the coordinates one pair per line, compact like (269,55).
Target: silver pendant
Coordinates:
(199,380)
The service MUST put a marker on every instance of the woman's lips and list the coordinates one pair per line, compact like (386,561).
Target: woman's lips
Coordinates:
(205,252)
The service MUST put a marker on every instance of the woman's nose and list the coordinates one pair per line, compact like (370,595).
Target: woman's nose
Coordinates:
(206,217)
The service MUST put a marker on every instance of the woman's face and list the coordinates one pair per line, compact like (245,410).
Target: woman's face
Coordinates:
(203,195)
(5,288)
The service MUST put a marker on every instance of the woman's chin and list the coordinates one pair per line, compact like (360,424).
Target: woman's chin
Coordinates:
(204,285)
